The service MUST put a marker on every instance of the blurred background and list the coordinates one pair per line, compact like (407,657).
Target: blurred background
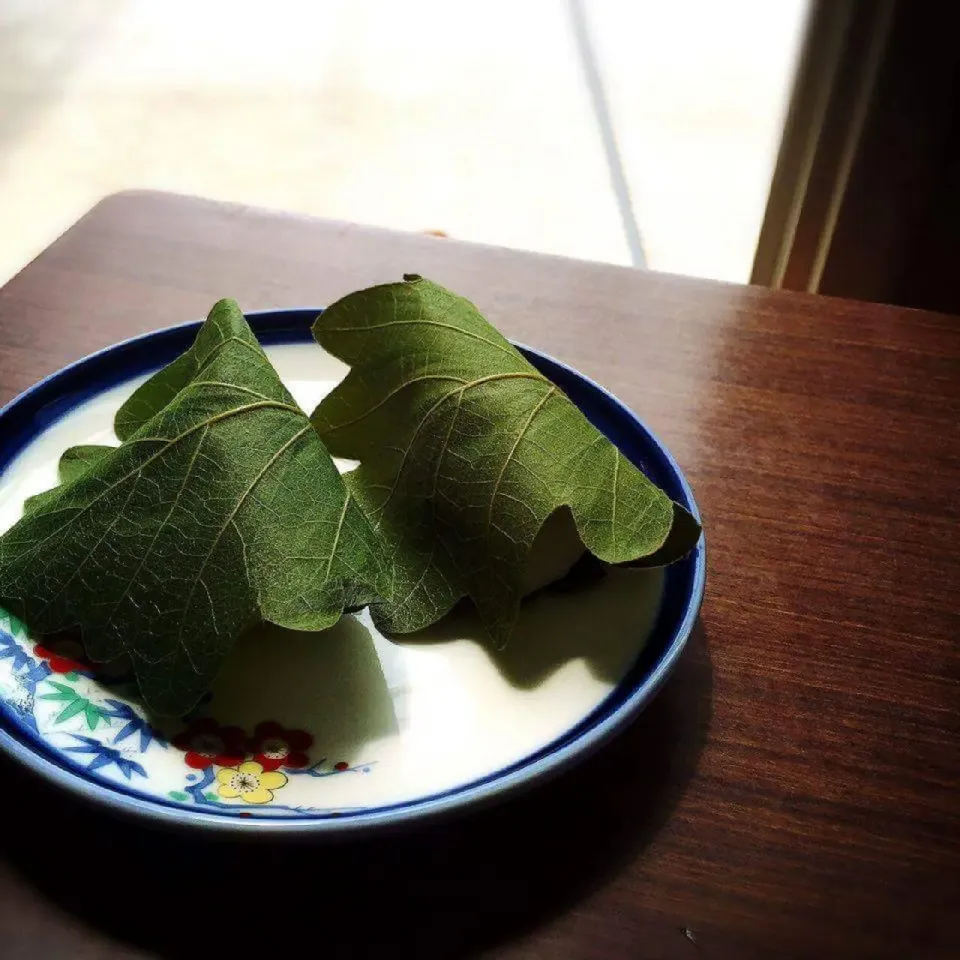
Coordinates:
(806,144)
(642,132)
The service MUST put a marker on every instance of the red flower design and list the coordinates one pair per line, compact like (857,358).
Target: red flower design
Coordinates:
(64,656)
(205,742)
(272,746)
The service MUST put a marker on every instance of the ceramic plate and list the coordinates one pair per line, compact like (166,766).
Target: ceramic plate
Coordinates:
(350,730)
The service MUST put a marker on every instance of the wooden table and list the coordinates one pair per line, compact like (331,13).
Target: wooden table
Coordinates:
(794,790)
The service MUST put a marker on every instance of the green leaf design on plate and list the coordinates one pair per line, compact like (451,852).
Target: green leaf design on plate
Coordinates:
(11,624)
(74,704)
(74,707)
(221,507)
(64,692)
(93,715)
(465,450)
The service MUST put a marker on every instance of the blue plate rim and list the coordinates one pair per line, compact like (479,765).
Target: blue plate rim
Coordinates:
(277,326)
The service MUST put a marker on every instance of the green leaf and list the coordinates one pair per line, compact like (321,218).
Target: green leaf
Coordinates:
(72,709)
(178,795)
(220,508)
(11,624)
(64,697)
(74,462)
(63,692)
(466,450)
(92,715)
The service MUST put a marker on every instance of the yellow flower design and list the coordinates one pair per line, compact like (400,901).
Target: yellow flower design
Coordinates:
(250,782)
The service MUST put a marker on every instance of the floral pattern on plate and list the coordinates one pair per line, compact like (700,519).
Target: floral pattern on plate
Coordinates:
(87,715)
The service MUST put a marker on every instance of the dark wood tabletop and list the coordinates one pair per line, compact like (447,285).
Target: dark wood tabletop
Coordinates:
(793,792)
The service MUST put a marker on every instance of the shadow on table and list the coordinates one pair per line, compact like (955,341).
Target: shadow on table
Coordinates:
(442,891)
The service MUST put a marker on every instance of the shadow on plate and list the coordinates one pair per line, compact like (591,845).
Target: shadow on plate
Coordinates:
(441,891)
(595,615)
(330,684)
